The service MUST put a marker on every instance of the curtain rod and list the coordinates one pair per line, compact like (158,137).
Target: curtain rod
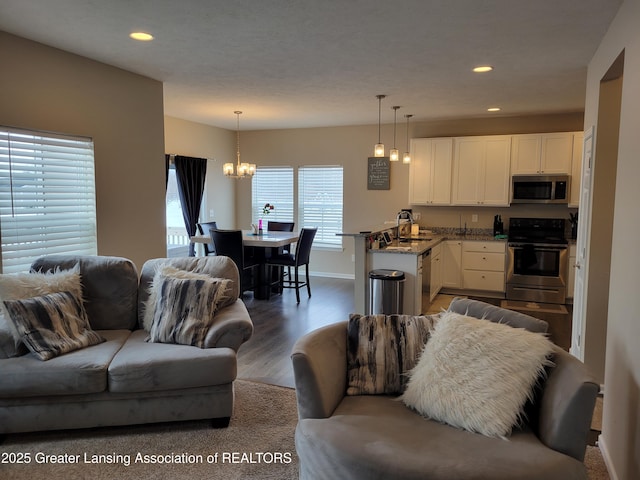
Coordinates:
(174,155)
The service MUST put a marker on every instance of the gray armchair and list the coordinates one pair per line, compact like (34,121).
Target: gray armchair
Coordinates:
(378,437)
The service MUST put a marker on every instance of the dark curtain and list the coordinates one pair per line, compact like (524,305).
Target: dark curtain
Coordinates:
(190,175)
(167,164)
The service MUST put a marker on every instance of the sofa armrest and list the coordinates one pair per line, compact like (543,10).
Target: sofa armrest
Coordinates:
(231,328)
(566,406)
(320,370)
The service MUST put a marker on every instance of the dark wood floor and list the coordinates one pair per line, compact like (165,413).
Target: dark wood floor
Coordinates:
(279,322)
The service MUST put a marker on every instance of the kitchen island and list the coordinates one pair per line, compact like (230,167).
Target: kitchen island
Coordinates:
(408,255)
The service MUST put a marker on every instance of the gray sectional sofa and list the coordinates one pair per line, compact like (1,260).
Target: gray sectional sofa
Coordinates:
(378,437)
(126,380)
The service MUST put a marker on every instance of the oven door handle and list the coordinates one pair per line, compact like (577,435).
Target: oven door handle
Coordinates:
(545,246)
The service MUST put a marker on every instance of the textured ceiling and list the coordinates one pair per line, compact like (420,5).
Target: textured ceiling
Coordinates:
(292,64)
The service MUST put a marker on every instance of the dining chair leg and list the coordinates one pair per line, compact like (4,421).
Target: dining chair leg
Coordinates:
(306,269)
(297,284)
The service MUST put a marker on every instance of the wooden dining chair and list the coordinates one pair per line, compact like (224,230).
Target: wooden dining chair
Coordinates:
(229,244)
(298,259)
(203,228)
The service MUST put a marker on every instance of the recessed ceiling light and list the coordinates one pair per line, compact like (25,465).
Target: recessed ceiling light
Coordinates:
(142,36)
(493,109)
(483,68)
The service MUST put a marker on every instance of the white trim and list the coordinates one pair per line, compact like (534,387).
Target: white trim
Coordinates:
(345,276)
(607,458)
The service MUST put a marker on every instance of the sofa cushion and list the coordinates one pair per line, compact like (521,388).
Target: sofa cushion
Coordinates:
(377,437)
(52,325)
(17,286)
(141,366)
(221,267)
(381,349)
(476,374)
(109,288)
(79,372)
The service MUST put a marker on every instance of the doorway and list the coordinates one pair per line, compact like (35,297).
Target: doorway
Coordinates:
(595,232)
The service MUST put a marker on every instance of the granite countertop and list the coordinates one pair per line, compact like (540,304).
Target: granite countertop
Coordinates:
(420,244)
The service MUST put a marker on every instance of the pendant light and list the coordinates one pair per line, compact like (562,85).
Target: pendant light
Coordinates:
(394,154)
(242,170)
(378,150)
(407,156)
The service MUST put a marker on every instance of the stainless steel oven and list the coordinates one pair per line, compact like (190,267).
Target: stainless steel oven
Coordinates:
(537,272)
(537,260)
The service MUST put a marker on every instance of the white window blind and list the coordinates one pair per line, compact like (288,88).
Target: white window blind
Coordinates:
(320,203)
(47,197)
(272,185)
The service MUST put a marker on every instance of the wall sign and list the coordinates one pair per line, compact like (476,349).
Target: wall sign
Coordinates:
(378,173)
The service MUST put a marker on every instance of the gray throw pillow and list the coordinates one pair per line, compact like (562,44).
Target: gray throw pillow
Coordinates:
(381,349)
(185,310)
(51,325)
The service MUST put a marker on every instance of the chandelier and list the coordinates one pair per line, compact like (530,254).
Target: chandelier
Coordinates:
(242,170)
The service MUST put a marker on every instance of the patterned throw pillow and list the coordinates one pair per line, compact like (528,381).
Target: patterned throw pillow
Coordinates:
(51,325)
(381,349)
(476,374)
(168,271)
(18,286)
(185,310)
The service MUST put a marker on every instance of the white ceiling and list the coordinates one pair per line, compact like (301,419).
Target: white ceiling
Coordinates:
(312,63)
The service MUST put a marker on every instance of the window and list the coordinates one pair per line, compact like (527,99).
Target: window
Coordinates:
(320,203)
(273,185)
(47,197)
(177,238)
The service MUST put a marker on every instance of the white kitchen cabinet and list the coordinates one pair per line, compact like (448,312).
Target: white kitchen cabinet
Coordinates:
(483,266)
(546,153)
(481,170)
(430,171)
(436,272)
(452,264)
(576,169)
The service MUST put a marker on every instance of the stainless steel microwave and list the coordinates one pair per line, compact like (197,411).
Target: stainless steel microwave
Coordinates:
(540,189)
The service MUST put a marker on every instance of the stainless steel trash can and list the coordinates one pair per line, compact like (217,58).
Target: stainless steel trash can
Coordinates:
(386,290)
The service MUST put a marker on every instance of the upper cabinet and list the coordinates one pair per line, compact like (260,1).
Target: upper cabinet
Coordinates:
(481,173)
(546,153)
(576,169)
(430,171)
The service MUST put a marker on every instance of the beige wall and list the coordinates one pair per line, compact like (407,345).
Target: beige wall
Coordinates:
(47,89)
(350,147)
(620,440)
(217,145)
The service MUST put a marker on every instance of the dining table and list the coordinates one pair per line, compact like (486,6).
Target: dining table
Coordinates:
(265,245)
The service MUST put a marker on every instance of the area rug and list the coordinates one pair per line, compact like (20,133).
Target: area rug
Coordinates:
(258,444)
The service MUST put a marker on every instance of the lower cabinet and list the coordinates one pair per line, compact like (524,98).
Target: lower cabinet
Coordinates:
(436,272)
(483,266)
(452,264)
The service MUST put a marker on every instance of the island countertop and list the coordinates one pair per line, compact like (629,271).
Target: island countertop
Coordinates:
(420,244)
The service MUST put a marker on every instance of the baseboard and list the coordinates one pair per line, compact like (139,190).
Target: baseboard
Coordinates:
(345,276)
(607,458)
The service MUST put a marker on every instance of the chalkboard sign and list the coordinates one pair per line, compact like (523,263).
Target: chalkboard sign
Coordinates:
(378,173)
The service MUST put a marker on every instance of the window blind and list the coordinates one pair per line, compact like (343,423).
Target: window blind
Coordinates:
(47,197)
(272,185)
(320,197)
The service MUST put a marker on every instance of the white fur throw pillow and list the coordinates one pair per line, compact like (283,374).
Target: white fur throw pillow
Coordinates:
(168,271)
(476,374)
(19,286)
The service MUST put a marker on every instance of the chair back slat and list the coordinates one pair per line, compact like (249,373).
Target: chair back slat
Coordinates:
(280,226)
